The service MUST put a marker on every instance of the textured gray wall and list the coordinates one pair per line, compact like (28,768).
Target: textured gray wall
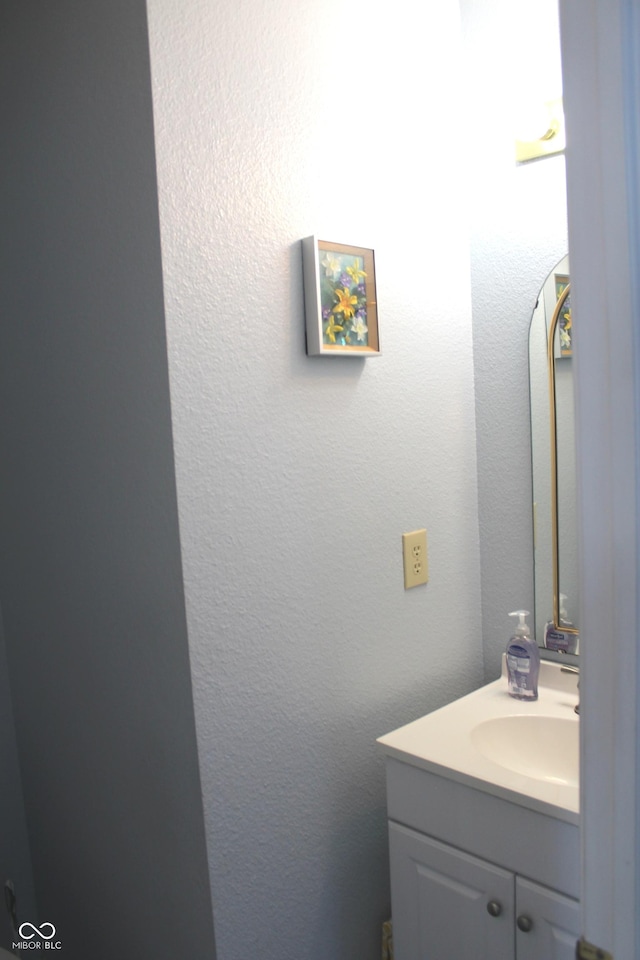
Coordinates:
(15,856)
(297,475)
(90,575)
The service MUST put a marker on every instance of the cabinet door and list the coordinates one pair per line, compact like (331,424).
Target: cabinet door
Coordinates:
(555,923)
(441,900)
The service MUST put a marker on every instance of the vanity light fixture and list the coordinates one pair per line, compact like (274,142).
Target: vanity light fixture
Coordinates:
(540,132)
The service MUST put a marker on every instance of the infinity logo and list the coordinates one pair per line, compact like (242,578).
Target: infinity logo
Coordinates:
(37,930)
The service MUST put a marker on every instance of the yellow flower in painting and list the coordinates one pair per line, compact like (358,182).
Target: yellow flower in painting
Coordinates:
(355,272)
(346,303)
(565,331)
(332,329)
(331,265)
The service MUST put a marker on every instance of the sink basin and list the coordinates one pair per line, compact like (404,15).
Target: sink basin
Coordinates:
(525,753)
(545,748)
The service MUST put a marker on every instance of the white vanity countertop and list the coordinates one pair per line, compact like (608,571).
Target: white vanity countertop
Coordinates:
(444,743)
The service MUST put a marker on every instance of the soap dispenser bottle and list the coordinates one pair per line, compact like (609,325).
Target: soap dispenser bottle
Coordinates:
(523,661)
(558,638)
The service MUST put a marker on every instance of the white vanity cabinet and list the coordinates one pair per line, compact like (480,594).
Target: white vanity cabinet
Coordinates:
(475,875)
(448,904)
(483,808)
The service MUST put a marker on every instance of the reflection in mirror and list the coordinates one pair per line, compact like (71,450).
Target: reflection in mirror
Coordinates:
(563,504)
(553,465)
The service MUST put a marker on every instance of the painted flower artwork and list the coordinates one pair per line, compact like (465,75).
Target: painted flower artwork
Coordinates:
(340,303)
(564,325)
(343,299)
(565,331)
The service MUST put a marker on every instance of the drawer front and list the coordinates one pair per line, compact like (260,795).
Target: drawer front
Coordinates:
(529,843)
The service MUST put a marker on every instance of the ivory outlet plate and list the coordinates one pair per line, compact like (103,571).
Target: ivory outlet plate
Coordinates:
(414,552)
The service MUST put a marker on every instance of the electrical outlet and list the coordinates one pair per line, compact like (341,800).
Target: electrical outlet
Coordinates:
(414,553)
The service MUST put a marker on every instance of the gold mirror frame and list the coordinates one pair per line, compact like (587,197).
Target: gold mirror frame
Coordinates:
(554,461)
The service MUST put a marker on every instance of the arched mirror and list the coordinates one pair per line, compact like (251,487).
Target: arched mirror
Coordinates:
(555,528)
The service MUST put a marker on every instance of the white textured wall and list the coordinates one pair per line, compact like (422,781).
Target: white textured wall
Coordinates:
(297,476)
(518,225)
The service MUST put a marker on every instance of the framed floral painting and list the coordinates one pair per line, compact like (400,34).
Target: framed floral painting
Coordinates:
(340,299)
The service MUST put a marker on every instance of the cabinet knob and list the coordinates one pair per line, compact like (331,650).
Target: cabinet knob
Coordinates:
(494,908)
(525,923)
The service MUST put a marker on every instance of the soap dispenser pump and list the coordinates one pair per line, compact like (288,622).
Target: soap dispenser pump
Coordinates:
(523,661)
